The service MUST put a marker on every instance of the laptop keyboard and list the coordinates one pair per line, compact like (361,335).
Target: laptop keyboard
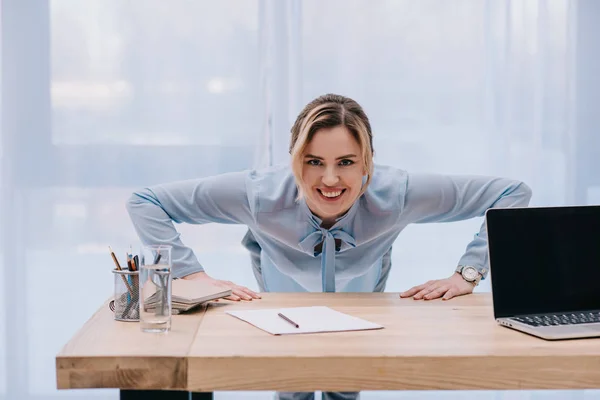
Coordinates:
(560,319)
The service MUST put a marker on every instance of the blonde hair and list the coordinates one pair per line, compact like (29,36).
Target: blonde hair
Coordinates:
(330,111)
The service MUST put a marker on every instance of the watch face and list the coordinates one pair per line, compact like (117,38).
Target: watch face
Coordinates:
(470,273)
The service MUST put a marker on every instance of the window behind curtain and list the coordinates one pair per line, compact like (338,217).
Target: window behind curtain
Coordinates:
(3,341)
(2,266)
(449,87)
(153,72)
(141,92)
(422,90)
(136,83)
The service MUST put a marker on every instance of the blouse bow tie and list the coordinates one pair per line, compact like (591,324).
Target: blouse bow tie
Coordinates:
(327,237)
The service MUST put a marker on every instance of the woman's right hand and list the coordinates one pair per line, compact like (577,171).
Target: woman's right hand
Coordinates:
(238,292)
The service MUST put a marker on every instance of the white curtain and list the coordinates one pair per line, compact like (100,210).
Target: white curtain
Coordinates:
(100,97)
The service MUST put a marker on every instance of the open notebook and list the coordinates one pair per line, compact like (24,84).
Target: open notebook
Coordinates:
(188,294)
(309,319)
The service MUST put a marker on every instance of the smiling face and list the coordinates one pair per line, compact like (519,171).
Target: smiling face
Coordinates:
(332,172)
(332,151)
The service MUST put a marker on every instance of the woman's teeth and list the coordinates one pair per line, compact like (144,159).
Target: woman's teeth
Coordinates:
(331,194)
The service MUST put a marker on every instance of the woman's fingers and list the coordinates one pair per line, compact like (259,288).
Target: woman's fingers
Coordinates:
(445,288)
(452,292)
(232,297)
(428,289)
(238,292)
(415,289)
(437,292)
(412,291)
(244,293)
(424,292)
(241,294)
(252,293)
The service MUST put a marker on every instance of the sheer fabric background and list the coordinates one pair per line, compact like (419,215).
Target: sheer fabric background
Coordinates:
(100,97)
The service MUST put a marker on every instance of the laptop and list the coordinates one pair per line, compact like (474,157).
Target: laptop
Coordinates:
(545,270)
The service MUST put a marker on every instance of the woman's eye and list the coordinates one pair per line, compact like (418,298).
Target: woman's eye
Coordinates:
(314,162)
(346,162)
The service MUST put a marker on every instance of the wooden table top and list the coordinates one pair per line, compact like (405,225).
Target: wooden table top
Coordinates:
(432,345)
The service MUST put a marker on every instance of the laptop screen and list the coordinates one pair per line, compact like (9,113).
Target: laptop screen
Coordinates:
(544,260)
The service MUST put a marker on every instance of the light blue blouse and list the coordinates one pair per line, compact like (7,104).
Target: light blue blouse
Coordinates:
(287,232)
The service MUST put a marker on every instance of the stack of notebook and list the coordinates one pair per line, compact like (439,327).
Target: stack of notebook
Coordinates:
(188,294)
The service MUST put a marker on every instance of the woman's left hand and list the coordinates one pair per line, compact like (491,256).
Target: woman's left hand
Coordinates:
(448,288)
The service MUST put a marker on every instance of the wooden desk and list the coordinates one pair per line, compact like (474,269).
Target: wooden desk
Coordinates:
(429,345)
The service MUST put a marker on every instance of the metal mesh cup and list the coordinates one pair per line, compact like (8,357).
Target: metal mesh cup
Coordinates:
(126,302)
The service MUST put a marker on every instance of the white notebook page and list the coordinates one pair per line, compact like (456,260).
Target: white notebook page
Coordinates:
(310,319)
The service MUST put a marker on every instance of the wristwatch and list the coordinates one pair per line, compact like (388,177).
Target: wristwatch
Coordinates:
(469,274)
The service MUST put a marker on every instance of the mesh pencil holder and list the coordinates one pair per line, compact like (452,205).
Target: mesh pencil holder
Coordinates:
(126,302)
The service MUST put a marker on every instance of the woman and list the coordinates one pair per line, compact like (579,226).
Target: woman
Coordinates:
(328,221)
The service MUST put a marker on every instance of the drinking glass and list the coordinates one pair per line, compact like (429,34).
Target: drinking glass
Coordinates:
(155,288)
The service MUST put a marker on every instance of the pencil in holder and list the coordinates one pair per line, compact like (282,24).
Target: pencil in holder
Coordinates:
(126,302)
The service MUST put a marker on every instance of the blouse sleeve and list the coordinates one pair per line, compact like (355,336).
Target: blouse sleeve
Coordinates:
(446,198)
(154,210)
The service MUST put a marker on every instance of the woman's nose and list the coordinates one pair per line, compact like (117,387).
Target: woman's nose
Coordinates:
(330,177)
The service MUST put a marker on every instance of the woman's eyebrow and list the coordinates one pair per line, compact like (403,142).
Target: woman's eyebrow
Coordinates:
(313,156)
(339,158)
(347,156)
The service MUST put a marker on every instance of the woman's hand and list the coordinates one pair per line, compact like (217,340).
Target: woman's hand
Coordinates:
(448,288)
(238,292)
